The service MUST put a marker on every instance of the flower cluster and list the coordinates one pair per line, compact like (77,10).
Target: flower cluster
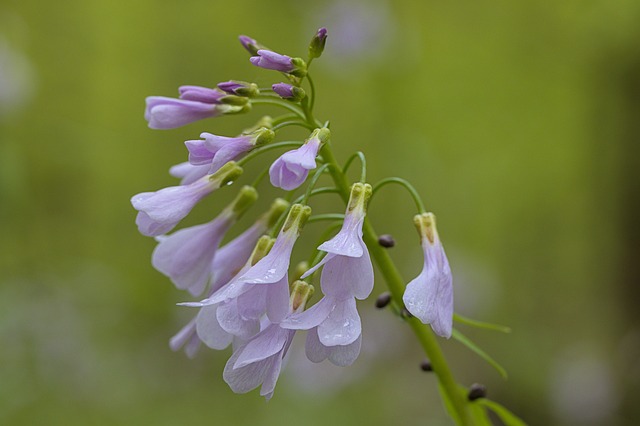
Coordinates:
(249,296)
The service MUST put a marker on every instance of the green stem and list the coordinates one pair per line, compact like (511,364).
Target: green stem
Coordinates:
(396,285)
(407,185)
(268,100)
(326,216)
(292,123)
(312,88)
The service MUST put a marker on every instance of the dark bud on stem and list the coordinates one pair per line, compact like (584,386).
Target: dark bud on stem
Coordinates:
(386,241)
(316,47)
(477,391)
(383,300)
(425,365)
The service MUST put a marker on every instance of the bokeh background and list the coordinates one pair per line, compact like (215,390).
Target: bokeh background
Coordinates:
(519,122)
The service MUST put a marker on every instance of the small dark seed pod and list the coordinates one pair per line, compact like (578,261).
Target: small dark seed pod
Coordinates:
(386,241)
(425,365)
(383,300)
(477,391)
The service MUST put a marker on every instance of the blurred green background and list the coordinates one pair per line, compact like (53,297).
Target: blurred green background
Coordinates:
(519,122)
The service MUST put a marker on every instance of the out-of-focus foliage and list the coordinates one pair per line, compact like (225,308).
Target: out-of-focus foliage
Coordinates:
(519,122)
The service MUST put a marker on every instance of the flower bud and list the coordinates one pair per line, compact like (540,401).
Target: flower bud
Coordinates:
(245,198)
(226,174)
(239,88)
(262,248)
(386,241)
(265,121)
(250,44)
(288,91)
(383,300)
(298,216)
(263,136)
(301,292)
(234,100)
(278,207)
(316,47)
(477,391)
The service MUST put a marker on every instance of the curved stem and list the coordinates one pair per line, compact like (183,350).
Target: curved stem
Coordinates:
(407,185)
(327,216)
(363,161)
(266,148)
(313,182)
(291,123)
(268,100)
(312,94)
(396,286)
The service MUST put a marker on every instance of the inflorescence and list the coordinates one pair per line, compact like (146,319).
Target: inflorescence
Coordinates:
(250,295)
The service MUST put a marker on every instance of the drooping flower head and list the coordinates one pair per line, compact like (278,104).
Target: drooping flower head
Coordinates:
(429,296)
(274,61)
(291,169)
(186,256)
(195,103)
(216,151)
(259,361)
(333,323)
(159,212)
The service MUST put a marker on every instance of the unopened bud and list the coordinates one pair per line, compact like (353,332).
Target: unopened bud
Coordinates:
(316,47)
(239,88)
(383,300)
(301,292)
(386,241)
(288,91)
(477,391)
(250,44)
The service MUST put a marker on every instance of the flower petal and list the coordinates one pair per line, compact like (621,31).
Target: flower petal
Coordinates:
(344,277)
(343,356)
(278,300)
(342,326)
(268,342)
(316,351)
(310,318)
(209,329)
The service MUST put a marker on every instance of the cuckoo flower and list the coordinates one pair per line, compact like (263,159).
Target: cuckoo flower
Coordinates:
(259,361)
(334,323)
(226,264)
(250,44)
(195,103)
(186,256)
(159,212)
(272,270)
(291,169)
(277,62)
(216,151)
(429,296)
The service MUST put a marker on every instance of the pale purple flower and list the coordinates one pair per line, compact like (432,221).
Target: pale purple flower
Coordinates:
(188,173)
(227,262)
(429,296)
(259,361)
(291,169)
(219,150)
(201,94)
(187,255)
(195,103)
(273,61)
(160,211)
(334,323)
(288,91)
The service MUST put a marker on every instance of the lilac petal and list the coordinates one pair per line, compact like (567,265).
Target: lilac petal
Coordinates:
(198,153)
(282,175)
(188,173)
(305,156)
(268,342)
(318,265)
(183,336)
(274,266)
(316,351)
(342,326)
(253,303)
(200,94)
(245,379)
(231,257)
(150,227)
(186,255)
(278,300)
(310,318)
(343,356)
(169,113)
(209,329)
(271,378)
(230,152)
(231,321)
(345,277)
(348,242)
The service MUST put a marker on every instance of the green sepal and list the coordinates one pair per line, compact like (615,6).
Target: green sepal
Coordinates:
(245,199)
(482,354)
